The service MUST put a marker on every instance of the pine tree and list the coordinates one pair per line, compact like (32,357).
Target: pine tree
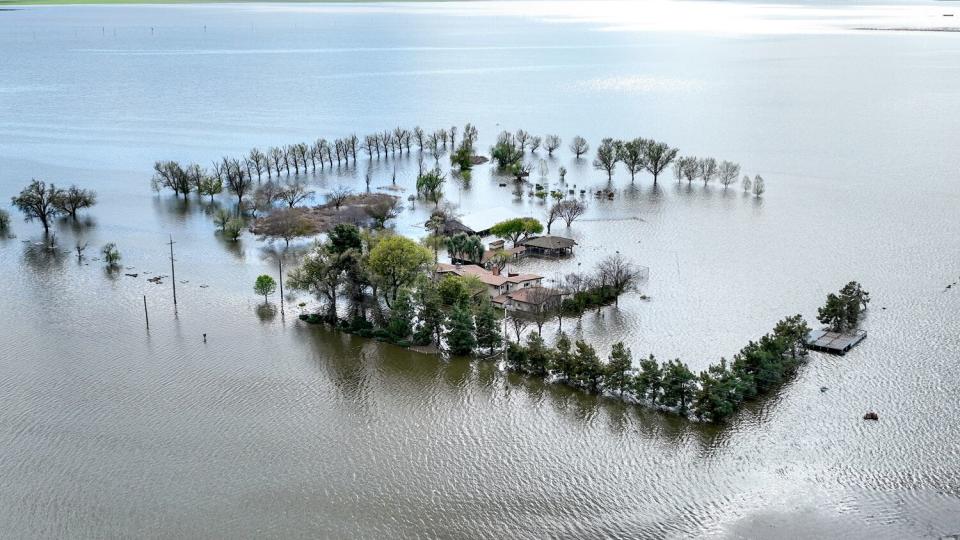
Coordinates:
(589,370)
(618,375)
(716,397)
(562,363)
(679,384)
(487,326)
(538,354)
(430,314)
(648,382)
(460,333)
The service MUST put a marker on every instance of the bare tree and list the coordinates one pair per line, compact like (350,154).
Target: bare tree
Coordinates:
(758,186)
(398,135)
(728,172)
(73,199)
(551,143)
(619,274)
(294,193)
(259,162)
(239,183)
(707,169)
(522,138)
(544,303)
(553,214)
(352,141)
(169,174)
(338,196)
(518,323)
(579,146)
(286,224)
(383,211)
(570,210)
(470,134)
(747,184)
(276,156)
(535,143)
(420,137)
(606,159)
(657,156)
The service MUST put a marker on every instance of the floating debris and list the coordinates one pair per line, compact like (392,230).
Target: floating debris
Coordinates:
(131,275)
(204,286)
(185,281)
(871,416)
(823,389)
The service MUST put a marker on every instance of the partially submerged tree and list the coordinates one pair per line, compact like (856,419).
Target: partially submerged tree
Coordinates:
(73,199)
(286,224)
(579,146)
(570,210)
(264,286)
(430,186)
(38,201)
(758,186)
(657,156)
(620,275)
(551,143)
(383,211)
(631,154)
(111,255)
(338,196)
(606,159)
(294,193)
(516,229)
(728,173)
(170,175)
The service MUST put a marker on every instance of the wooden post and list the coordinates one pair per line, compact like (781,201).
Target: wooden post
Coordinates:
(280,261)
(145,314)
(173,273)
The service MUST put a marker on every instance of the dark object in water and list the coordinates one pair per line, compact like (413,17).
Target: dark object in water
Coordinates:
(823,389)
(131,275)
(871,416)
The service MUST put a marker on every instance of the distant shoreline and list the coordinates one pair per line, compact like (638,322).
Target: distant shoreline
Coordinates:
(27,3)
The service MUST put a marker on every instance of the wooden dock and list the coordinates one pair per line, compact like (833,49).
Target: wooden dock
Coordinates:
(834,342)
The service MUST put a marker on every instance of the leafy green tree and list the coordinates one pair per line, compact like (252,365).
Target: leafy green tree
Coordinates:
(506,151)
(465,247)
(648,383)
(343,237)
(516,229)
(606,159)
(487,326)
(221,217)
(211,186)
(38,201)
(110,255)
(657,156)
(320,273)
(855,292)
(679,385)
(233,229)
(265,286)
(464,290)
(400,323)
(395,262)
(618,375)
(460,335)
(430,186)
(429,313)
(517,358)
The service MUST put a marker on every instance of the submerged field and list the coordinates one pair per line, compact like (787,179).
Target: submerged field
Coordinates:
(276,428)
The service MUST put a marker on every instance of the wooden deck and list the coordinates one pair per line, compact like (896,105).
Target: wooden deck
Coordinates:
(834,342)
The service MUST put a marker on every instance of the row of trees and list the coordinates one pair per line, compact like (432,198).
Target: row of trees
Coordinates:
(44,202)
(711,396)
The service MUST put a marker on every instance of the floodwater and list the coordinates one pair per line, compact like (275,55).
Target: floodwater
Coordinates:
(275,429)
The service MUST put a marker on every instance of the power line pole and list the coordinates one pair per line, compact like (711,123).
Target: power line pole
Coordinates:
(173,273)
(280,261)
(145,314)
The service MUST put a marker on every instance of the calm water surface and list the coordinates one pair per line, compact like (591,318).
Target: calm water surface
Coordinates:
(274,429)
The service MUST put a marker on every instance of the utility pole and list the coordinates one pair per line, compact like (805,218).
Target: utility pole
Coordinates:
(280,261)
(173,273)
(145,314)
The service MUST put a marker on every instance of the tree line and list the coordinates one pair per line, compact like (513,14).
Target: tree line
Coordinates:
(713,395)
